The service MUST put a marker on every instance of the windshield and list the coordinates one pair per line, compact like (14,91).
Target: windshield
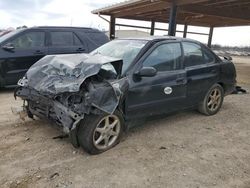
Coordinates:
(126,50)
(10,34)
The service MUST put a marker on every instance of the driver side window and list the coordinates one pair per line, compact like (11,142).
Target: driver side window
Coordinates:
(29,40)
(166,57)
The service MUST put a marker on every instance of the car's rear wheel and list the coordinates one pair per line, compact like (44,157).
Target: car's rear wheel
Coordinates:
(213,100)
(99,133)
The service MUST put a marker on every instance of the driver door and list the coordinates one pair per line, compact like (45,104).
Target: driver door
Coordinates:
(28,48)
(164,92)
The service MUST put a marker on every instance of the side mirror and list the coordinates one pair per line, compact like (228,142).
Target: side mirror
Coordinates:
(146,72)
(8,46)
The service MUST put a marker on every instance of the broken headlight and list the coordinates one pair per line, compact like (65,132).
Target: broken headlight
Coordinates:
(23,82)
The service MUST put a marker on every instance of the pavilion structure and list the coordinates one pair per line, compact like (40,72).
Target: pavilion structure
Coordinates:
(207,13)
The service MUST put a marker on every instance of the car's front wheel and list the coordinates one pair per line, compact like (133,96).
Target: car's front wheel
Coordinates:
(99,133)
(213,100)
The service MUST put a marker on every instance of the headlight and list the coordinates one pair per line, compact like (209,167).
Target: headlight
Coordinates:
(23,82)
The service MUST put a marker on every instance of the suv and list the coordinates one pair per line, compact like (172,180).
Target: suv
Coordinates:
(94,96)
(20,49)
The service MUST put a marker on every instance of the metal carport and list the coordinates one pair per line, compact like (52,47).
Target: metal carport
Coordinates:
(207,13)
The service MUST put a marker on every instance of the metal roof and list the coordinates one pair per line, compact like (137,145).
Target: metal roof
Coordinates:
(216,13)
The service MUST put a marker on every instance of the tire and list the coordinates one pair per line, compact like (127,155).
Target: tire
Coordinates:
(213,101)
(95,135)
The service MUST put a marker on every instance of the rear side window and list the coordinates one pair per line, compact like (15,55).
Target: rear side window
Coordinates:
(62,38)
(77,41)
(97,38)
(29,40)
(166,57)
(192,54)
(208,56)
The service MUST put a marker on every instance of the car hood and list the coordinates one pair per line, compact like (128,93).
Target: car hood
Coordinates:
(56,74)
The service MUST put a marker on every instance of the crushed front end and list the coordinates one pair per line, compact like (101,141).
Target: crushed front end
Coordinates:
(65,88)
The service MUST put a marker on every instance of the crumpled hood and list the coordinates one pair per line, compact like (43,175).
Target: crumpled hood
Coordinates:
(56,74)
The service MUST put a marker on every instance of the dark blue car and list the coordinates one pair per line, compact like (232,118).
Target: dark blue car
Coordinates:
(94,96)
(20,49)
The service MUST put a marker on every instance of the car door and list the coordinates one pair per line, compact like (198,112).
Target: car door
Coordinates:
(162,93)
(27,48)
(202,71)
(65,42)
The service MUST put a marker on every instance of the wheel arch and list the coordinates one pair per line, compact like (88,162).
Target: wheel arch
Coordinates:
(222,85)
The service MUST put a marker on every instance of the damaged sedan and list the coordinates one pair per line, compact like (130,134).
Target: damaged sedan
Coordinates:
(93,97)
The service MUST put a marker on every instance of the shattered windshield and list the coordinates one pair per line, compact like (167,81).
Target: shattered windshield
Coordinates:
(126,50)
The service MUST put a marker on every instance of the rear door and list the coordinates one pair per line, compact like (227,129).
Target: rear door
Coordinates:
(164,92)
(202,71)
(29,47)
(65,42)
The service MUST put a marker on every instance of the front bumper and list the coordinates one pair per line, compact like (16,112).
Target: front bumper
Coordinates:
(47,107)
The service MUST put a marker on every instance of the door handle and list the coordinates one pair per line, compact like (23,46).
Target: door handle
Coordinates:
(214,71)
(38,52)
(180,80)
(80,50)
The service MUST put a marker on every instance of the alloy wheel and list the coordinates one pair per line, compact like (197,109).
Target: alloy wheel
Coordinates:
(106,132)
(214,100)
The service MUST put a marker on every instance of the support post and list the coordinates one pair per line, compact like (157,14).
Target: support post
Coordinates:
(152,30)
(210,36)
(112,28)
(172,19)
(185,31)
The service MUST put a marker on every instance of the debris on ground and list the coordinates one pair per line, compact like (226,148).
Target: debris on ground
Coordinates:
(239,90)
(61,136)
(54,175)
(162,147)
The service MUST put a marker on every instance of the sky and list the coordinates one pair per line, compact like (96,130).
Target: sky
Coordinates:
(14,13)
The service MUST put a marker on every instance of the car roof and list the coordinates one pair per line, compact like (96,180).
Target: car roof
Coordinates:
(159,38)
(63,27)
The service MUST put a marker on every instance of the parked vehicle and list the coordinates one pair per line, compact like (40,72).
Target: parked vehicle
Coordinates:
(20,49)
(94,96)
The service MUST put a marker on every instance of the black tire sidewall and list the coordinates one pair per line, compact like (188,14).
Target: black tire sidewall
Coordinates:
(86,130)
(208,111)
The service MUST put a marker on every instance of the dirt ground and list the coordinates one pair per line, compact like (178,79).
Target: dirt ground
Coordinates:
(243,69)
(182,150)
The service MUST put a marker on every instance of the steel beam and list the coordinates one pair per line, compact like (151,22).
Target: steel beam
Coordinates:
(172,19)
(160,29)
(112,28)
(185,31)
(210,36)
(152,29)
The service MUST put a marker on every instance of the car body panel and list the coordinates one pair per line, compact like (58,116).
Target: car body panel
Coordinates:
(148,96)
(200,79)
